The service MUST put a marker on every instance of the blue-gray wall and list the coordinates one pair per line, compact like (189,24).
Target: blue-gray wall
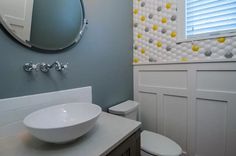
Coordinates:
(101,59)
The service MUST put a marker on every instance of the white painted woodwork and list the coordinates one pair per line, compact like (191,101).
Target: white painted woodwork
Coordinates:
(219,81)
(211,119)
(175,119)
(16,15)
(149,118)
(195,104)
(165,78)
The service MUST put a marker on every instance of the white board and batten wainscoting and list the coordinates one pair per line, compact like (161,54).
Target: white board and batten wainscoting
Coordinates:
(192,103)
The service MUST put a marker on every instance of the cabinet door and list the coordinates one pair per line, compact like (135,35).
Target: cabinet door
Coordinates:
(130,147)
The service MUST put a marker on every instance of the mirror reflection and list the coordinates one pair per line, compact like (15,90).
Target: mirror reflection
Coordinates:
(44,24)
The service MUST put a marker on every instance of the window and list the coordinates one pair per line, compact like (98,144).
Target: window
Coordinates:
(202,19)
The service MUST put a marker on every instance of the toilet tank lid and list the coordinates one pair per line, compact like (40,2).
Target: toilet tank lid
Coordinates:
(124,107)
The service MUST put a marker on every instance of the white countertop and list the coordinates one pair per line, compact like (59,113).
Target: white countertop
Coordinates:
(108,133)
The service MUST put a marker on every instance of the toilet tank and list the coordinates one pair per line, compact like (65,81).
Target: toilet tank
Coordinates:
(127,109)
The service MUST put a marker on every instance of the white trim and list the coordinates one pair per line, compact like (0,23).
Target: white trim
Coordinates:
(191,62)
(206,36)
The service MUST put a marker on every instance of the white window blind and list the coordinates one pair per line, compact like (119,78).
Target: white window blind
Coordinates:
(209,18)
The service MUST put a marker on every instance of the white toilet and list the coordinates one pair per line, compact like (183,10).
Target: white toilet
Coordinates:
(152,144)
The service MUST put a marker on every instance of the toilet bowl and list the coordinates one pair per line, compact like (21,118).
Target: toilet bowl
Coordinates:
(152,144)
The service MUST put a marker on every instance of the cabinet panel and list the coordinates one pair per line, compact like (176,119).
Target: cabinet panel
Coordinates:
(212,80)
(148,108)
(175,119)
(211,123)
(164,78)
(231,127)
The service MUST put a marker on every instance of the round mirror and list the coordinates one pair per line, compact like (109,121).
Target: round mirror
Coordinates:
(44,24)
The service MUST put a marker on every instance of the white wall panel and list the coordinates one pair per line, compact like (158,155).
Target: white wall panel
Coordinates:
(148,107)
(211,123)
(196,104)
(164,78)
(175,119)
(216,80)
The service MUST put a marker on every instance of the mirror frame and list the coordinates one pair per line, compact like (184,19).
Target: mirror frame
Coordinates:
(83,27)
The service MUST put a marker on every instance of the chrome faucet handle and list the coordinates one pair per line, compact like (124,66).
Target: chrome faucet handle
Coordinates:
(36,67)
(60,66)
(29,67)
(44,67)
(65,66)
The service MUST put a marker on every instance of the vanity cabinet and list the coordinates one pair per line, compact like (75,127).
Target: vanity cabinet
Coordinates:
(130,147)
(112,135)
(107,138)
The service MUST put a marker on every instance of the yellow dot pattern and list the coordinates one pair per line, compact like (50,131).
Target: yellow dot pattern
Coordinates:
(142,18)
(135,60)
(159,44)
(135,11)
(143,51)
(173,34)
(164,20)
(139,36)
(184,59)
(168,5)
(195,48)
(155,29)
(221,39)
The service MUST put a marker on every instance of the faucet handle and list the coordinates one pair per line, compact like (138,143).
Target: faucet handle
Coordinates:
(65,66)
(61,67)
(36,67)
(44,67)
(29,67)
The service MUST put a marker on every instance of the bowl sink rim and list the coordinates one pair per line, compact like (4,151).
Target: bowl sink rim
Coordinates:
(25,121)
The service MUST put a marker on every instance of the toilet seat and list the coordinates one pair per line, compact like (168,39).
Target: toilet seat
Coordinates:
(159,145)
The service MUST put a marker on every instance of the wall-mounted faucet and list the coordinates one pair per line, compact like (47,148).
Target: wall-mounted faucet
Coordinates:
(44,67)
(58,66)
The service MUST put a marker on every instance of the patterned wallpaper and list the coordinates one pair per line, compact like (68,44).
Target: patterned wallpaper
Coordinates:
(155,35)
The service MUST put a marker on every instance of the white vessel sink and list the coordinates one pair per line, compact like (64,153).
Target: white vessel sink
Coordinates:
(62,123)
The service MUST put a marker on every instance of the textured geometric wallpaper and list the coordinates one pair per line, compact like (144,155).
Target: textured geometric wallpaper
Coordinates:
(155,35)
